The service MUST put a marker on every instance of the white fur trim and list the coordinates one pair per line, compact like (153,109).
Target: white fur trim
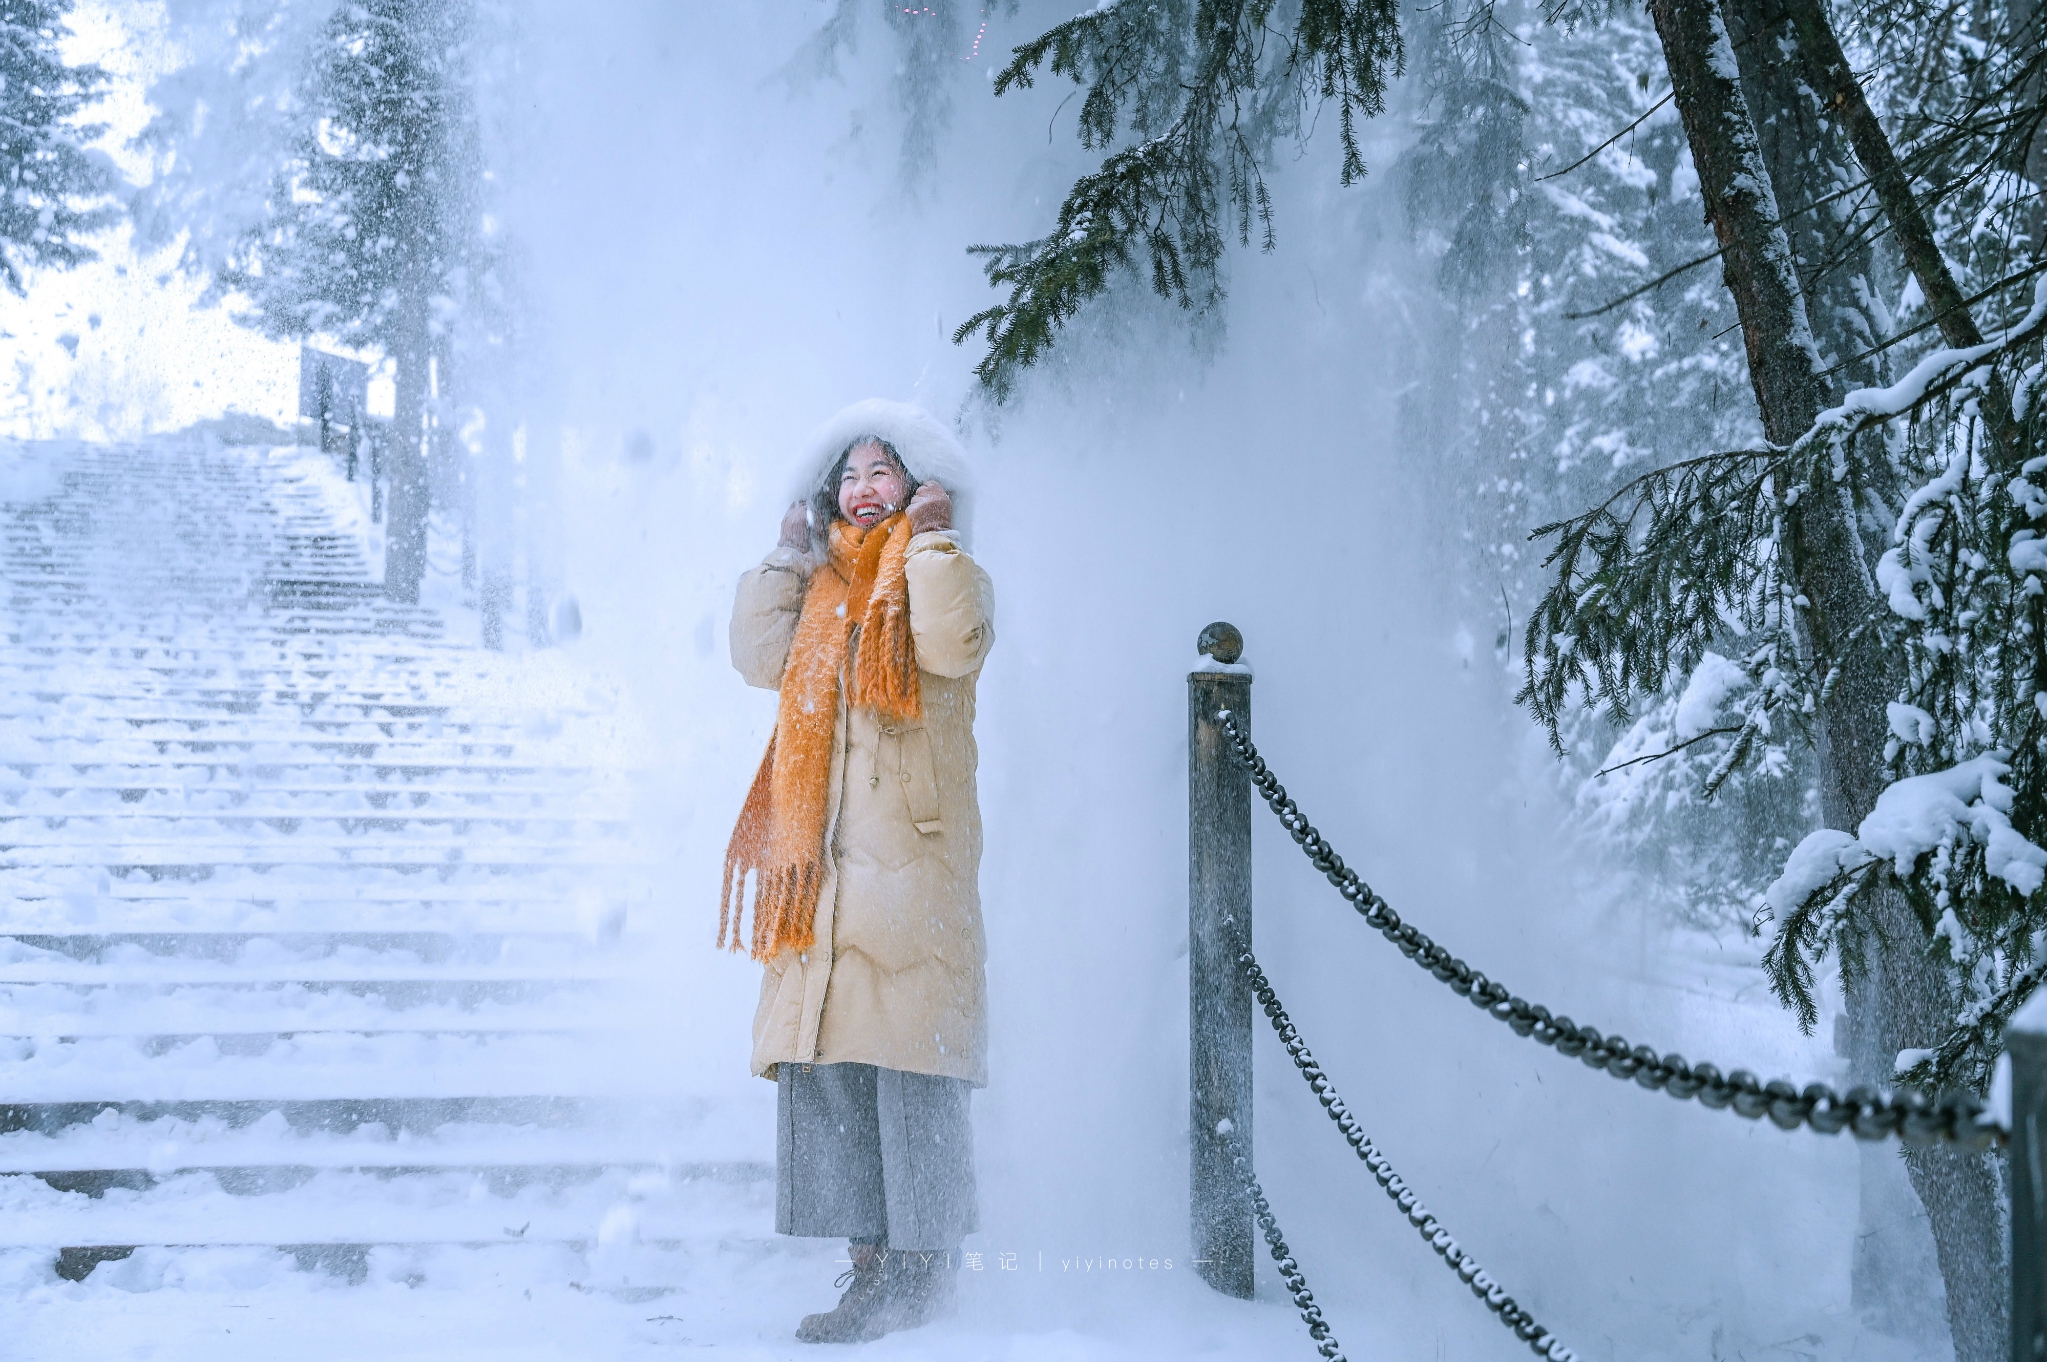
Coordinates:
(930,451)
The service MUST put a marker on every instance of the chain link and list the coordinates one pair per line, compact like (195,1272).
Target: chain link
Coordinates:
(1545,1343)
(1870,1113)
(1289,1270)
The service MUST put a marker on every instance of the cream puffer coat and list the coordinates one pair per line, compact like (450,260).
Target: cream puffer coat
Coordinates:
(896,977)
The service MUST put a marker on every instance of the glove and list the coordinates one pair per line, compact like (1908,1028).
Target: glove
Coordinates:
(929,509)
(796,528)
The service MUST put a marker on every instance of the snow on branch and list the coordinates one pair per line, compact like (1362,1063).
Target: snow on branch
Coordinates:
(1939,372)
(1694,546)
(1933,823)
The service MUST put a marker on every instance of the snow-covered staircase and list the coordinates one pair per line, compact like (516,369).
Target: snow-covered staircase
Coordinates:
(312,942)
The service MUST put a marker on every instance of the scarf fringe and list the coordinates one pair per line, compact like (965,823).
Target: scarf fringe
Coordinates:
(785,896)
(748,849)
(784,910)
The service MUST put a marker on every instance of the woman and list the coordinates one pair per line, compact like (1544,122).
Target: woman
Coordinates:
(864,832)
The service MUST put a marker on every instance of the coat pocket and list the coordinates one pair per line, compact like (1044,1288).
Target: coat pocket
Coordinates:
(920,780)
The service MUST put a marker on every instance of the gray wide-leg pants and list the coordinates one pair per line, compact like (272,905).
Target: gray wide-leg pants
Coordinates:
(873,1154)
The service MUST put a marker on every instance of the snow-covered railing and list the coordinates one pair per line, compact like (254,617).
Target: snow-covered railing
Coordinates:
(1224,980)
(1957,1117)
(1225,983)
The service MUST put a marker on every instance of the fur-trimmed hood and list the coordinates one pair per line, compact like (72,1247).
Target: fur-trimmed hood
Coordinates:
(928,450)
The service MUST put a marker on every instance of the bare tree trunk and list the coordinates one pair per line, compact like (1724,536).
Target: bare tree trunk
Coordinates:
(2028,36)
(1808,161)
(494,531)
(1829,563)
(1893,1273)
(1963,1193)
(1826,66)
(449,472)
(1908,999)
(406,524)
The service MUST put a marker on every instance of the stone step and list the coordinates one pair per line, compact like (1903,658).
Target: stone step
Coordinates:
(365,696)
(422,690)
(345,1208)
(361,799)
(698,1139)
(89,722)
(369,1119)
(541,959)
(48,613)
(44,603)
(298,945)
(41,639)
(91,891)
(90,878)
(278,749)
(321,1066)
(311,668)
(542,909)
(229,1016)
(122,761)
(362,650)
(314,671)
(255,773)
(260,1035)
(319,665)
(210,701)
(448,988)
(433,830)
(273,848)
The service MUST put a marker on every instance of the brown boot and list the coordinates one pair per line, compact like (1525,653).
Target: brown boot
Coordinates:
(925,1285)
(867,1310)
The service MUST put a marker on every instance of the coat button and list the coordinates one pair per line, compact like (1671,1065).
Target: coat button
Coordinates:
(906,777)
(874,780)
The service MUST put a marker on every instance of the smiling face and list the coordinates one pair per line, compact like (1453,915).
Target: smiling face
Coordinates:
(873,486)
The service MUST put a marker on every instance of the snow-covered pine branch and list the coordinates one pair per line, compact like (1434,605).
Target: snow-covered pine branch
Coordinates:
(1697,550)
(1204,90)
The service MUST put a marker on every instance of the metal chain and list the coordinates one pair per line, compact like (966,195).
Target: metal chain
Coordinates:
(1870,1113)
(1289,1270)
(1545,1343)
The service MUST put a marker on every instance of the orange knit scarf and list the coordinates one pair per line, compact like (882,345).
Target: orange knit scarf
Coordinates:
(857,605)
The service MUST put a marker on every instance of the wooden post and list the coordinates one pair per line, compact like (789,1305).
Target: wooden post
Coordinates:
(2025,1040)
(323,396)
(1219,996)
(354,437)
(376,476)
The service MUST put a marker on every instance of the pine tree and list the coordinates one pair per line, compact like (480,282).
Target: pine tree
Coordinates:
(53,188)
(1868,559)
(371,231)
(1553,178)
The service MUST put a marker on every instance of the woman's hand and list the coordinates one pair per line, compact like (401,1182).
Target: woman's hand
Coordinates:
(929,509)
(796,528)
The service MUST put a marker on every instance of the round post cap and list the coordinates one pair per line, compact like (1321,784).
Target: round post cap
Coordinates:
(1222,642)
